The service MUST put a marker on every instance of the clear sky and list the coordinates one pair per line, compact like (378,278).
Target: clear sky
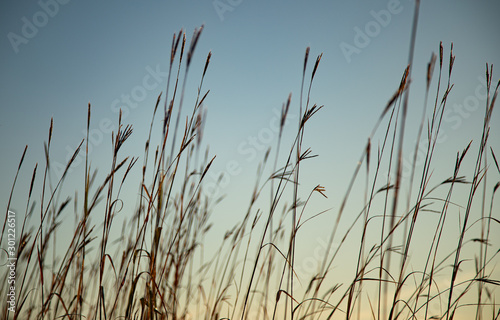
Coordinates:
(57,56)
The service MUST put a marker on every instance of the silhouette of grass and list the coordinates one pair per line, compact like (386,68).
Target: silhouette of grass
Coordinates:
(159,270)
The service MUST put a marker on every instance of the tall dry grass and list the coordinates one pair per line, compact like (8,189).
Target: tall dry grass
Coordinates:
(159,269)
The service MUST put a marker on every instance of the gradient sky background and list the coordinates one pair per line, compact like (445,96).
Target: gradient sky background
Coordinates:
(96,51)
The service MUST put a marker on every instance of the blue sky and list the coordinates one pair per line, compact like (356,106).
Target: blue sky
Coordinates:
(96,52)
(57,56)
